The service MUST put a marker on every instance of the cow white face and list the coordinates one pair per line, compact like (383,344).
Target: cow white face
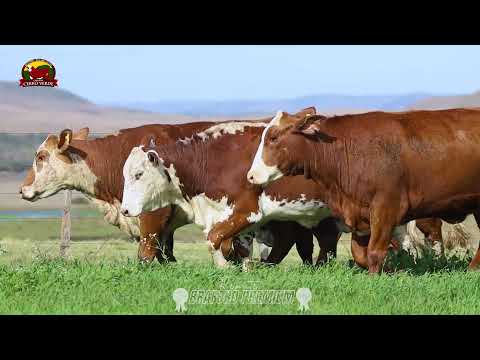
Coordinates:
(274,154)
(148,185)
(261,173)
(54,167)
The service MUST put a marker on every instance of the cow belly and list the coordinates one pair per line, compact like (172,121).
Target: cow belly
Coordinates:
(307,213)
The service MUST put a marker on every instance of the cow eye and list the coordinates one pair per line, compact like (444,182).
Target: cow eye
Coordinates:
(41,158)
(138,175)
(273,138)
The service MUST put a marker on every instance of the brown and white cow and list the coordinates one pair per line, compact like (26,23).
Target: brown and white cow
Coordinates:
(379,170)
(205,177)
(94,167)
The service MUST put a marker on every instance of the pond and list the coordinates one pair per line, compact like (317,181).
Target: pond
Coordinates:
(12,215)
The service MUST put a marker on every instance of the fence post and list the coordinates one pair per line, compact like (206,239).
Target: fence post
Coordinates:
(66,225)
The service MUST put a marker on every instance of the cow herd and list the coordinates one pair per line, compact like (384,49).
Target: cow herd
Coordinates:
(279,180)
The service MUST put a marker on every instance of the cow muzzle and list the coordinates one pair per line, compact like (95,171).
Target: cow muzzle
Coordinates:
(28,195)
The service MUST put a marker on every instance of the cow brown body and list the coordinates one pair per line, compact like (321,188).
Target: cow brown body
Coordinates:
(378,170)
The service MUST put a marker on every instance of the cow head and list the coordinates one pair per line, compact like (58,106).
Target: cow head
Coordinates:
(148,185)
(273,151)
(52,166)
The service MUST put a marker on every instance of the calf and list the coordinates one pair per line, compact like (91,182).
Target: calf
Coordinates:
(378,170)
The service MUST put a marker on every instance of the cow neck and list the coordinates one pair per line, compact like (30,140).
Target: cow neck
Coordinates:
(105,158)
(324,165)
(189,162)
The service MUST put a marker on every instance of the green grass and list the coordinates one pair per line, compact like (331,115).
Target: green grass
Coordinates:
(82,287)
(101,276)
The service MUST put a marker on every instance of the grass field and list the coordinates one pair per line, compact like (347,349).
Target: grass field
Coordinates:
(102,276)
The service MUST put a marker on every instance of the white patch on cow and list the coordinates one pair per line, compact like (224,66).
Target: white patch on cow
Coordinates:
(260,173)
(228,128)
(307,213)
(208,212)
(218,130)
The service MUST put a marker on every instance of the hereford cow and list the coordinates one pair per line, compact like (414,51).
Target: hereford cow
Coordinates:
(205,177)
(94,167)
(378,170)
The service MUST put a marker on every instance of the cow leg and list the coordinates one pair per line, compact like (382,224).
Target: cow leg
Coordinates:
(303,242)
(359,246)
(432,230)
(382,223)
(168,250)
(475,263)
(156,240)
(327,235)
(224,231)
(285,234)
(280,249)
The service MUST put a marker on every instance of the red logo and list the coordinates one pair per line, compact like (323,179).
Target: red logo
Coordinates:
(38,72)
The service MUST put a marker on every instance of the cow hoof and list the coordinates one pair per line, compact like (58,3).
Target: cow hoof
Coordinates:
(219,260)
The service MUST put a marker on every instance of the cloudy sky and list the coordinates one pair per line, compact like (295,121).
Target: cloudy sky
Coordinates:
(148,73)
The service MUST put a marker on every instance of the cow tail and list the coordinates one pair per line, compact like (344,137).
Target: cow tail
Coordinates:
(415,234)
(456,236)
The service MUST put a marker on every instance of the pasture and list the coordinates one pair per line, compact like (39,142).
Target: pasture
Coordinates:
(101,276)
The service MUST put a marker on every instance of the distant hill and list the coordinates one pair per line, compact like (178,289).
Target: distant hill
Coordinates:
(36,97)
(446,102)
(27,115)
(45,110)
(328,103)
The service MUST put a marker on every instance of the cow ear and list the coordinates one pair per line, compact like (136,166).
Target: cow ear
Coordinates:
(310,126)
(309,129)
(65,140)
(153,158)
(307,112)
(306,122)
(81,134)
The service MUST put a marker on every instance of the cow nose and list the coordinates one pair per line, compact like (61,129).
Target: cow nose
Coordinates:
(124,212)
(20,191)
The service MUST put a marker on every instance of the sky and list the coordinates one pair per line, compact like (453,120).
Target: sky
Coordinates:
(111,74)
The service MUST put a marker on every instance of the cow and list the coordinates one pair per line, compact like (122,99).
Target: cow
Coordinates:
(94,167)
(379,170)
(205,177)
